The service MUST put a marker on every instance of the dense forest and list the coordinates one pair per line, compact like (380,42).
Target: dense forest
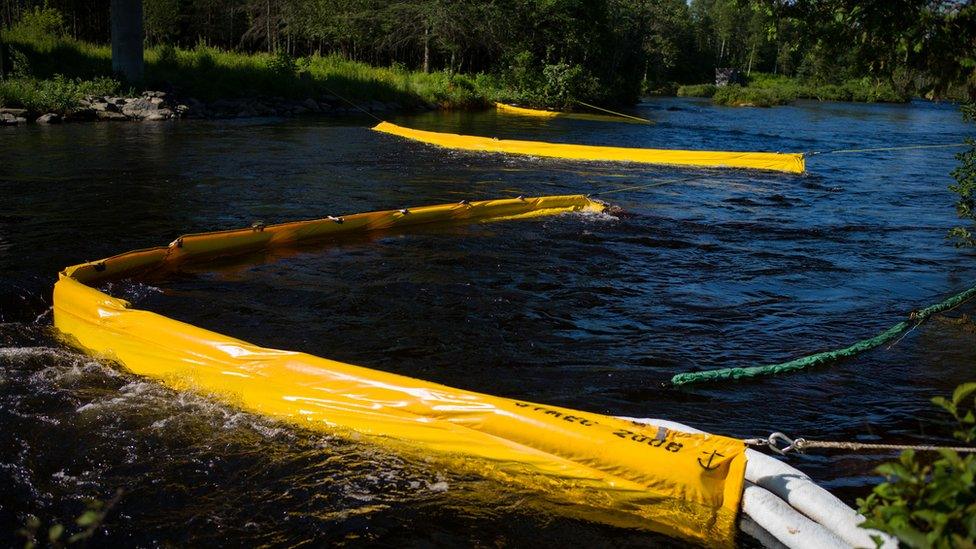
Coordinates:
(607,49)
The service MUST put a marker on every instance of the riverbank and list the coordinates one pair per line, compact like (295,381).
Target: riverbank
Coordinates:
(155,106)
(72,79)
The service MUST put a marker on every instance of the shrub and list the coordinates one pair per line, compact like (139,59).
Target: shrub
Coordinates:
(697,90)
(166,55)
(39,23)
(59,94)
(565,84)
(930,503)
(282,65)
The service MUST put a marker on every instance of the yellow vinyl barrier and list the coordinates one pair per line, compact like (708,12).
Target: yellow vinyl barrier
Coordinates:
(585,464)
(783,162)
(522,111)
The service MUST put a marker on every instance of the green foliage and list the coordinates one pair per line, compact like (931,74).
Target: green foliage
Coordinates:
(697,90)
(965,187)
(58,95)
(282,65)
(88,523)
(565,84)
(738,96)
(39,23)
(930,503)
(766,90)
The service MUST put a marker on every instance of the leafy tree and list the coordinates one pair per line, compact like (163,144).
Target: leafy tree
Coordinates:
(965,187)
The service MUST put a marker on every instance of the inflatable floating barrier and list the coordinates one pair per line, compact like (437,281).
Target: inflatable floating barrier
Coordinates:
(783,162)
(522,111)
(634,473)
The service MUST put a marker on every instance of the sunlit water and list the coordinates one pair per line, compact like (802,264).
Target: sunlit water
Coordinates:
(590,312)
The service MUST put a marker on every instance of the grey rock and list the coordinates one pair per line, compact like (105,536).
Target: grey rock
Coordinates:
(13,111)
(20,120)
(105,106)
(139,108)
(7,119)
(161,114)
(117,100)
(49,118)
(263,110)
(110,115)
(311,105)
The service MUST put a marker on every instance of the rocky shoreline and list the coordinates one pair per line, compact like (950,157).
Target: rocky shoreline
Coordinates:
(154,106)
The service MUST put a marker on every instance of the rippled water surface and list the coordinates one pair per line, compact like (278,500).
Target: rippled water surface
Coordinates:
(590,312)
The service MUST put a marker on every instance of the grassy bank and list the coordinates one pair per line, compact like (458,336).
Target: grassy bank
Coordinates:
(766,90)
(52,73)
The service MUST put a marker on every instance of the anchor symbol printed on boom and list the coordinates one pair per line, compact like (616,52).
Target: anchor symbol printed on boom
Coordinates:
(708,465)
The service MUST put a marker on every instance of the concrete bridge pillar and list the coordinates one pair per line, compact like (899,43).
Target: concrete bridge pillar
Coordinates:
(127,39)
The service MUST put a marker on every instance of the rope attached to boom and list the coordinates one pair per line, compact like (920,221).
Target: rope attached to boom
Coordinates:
(891,334)
(782,444)
(880,149)
(615,113)
(646,186)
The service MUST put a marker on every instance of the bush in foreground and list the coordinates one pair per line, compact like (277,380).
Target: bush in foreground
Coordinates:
(931,503)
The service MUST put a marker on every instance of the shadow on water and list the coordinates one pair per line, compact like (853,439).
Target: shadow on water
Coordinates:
(734,268)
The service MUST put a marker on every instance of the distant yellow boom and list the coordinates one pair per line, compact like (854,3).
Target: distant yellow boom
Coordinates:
(522,111)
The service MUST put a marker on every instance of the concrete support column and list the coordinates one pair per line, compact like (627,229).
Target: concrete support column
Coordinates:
(127,39)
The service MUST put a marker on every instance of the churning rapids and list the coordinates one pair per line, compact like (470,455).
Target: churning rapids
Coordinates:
(590,312)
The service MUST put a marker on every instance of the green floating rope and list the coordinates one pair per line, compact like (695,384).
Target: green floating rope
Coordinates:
(890,334)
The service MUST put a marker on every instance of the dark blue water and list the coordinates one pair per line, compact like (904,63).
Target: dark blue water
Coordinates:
(591,312)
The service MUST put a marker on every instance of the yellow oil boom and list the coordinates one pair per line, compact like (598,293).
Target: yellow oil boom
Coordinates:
(783,162)
(599,467)
(615,117)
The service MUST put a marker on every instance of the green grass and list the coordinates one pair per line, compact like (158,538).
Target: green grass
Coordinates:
(765,90)
(208,73)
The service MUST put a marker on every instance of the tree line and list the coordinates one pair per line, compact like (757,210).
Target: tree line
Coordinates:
(599,48)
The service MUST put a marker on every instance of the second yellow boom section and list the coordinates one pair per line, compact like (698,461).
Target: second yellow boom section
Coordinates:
(783,162)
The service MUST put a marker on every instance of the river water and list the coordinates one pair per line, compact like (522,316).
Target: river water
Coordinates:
(590,312)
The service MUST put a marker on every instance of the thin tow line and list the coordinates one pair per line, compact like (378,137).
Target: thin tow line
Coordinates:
(880,149)
(655,184)
(615,113)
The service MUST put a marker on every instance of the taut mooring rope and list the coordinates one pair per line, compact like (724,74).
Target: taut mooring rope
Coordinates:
(648,185)
(915,318)
(782,444)
(615,113)
(378,119)
(879,149)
